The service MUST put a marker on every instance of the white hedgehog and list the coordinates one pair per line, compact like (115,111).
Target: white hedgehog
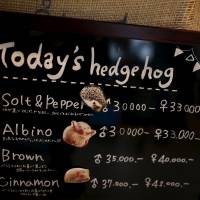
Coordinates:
(78,134)
(93,97)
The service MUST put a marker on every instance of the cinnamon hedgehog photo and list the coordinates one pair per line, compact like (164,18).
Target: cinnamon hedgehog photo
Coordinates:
(77,175)
(93,96)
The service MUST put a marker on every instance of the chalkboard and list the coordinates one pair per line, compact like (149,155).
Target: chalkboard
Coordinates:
(94,110)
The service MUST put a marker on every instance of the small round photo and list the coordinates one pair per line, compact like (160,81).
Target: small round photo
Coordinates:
(77,175)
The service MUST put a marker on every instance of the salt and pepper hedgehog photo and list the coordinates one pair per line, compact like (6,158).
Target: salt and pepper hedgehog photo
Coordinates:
(93,97)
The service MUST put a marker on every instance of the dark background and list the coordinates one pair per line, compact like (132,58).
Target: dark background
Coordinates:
(63,157)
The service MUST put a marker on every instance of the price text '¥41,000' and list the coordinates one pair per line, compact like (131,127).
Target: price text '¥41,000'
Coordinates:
(148,183)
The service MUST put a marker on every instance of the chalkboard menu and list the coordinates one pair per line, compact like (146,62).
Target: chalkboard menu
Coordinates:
(94,110)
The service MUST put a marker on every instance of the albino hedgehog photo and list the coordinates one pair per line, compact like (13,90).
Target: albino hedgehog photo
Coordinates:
(93,97)
(78,134)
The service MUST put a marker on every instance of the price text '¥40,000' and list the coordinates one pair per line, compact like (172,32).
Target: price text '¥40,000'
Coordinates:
(129,159)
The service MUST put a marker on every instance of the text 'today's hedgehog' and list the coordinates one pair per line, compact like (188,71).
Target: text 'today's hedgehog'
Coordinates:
(93,97)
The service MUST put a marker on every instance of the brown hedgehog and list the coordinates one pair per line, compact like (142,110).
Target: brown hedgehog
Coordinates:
(93,97)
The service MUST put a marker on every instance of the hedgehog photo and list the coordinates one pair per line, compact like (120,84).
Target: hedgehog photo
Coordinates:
(77,175)
(78,134)
(93,97)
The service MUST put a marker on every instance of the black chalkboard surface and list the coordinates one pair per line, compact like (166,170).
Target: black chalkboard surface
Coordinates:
(94,110)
